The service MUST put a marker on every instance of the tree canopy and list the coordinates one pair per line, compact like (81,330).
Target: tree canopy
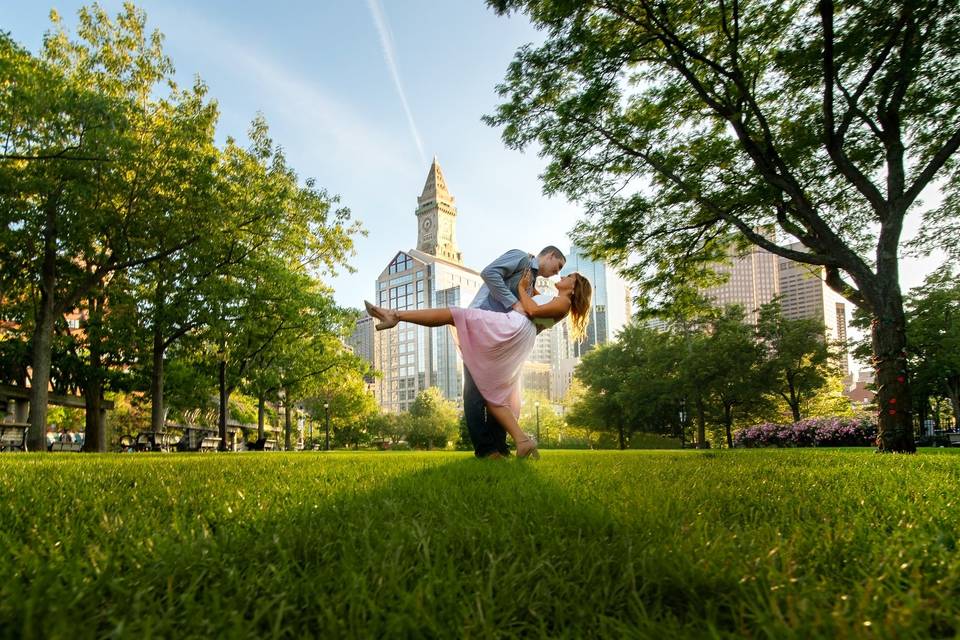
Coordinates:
(685,127)
(117,208)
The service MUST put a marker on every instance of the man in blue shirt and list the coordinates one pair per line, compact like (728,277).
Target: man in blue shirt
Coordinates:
(499,293)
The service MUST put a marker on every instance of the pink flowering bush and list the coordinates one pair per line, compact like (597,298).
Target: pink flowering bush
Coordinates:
(812,432)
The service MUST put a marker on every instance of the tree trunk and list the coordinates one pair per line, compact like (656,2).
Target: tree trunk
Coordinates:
(923,411)
(95,437)
(620,435)
(224,406)
(953,392)
(794,402)
(286,422)
(40,380)
(701,425)
(888,334)
(43,333)
(728,423)
(157,411)
(261,409)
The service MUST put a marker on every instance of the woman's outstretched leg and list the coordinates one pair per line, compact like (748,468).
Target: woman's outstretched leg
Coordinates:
(424,317)
(526,446)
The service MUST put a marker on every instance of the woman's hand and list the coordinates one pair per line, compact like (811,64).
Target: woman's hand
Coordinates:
(527,305)
(525,281)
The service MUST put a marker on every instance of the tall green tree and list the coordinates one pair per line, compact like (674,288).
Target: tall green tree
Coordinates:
(731,365)
(295,233)
(97,161)
(538,411)
(933,333)
(798,361)
(432,421)
(685,126)
(604,371)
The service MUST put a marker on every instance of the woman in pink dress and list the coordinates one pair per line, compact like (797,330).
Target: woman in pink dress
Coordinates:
(495,345)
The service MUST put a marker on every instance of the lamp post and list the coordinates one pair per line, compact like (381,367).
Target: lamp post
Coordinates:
(326,409)
(537,404)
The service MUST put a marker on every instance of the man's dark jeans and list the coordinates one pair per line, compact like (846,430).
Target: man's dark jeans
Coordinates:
(486,434)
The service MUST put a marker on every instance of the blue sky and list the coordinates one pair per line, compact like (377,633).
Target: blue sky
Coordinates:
(361,94)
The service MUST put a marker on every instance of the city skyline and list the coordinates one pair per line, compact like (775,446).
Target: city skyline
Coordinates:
(361,96)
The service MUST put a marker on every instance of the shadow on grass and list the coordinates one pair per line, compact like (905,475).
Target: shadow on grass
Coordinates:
(340,547)
(473,548)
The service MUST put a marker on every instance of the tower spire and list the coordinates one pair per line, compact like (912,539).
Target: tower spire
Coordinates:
(437,218)
(435,188)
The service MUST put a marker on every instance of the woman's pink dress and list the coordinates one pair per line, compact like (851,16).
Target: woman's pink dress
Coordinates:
(494,347)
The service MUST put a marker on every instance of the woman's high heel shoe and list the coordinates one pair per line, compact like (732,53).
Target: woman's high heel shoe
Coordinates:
(528,448)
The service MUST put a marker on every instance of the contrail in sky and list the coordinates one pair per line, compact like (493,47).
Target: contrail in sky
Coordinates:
(386,41)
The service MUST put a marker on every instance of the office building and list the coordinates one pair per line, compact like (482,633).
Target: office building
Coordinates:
(804,294)
(413,358)
(753,280)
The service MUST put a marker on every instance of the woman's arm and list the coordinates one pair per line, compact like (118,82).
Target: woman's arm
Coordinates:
(556,308)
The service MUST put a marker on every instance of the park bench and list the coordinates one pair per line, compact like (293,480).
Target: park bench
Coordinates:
(13,436)
(155,441)
(209,443)
(75,447)
(264,444)
(199,439)
(127,443)
(954,439)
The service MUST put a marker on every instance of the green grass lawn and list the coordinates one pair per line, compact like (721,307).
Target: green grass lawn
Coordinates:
(756,543)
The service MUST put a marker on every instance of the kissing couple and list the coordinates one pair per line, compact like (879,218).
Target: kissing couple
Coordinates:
(496,334)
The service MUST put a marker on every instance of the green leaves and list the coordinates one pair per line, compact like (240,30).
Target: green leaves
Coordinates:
(724,117)
(432,421)
(112,189)
(798,360)
(933,336)
(684,128)
(738,373)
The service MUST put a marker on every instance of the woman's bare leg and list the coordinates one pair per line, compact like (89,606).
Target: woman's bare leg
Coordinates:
(525,444)
(423,317)
(509,422)
(427,317)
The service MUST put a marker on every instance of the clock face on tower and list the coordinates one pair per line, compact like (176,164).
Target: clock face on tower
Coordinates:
(427,224)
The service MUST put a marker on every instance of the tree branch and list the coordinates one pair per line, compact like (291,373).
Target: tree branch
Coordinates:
(834,143)
(930,170)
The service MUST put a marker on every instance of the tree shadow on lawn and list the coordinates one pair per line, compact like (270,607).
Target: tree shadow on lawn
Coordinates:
(484,549)
(461,548)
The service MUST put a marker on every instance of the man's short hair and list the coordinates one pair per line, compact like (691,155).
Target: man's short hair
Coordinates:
(550,249)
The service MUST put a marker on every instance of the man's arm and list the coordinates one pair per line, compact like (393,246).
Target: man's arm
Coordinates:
(496,273)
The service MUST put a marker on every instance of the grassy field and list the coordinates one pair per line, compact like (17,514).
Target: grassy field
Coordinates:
(757,543)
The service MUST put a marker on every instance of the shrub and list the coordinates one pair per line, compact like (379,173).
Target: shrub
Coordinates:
(813,432)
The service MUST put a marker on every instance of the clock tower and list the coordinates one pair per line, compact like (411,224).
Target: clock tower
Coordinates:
(436,218)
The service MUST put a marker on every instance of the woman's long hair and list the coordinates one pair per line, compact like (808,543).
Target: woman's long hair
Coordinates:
(580,307)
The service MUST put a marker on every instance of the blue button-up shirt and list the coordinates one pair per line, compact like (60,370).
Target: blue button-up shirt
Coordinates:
(501,277)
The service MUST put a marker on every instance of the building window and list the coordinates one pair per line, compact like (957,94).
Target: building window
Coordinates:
(401,263)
